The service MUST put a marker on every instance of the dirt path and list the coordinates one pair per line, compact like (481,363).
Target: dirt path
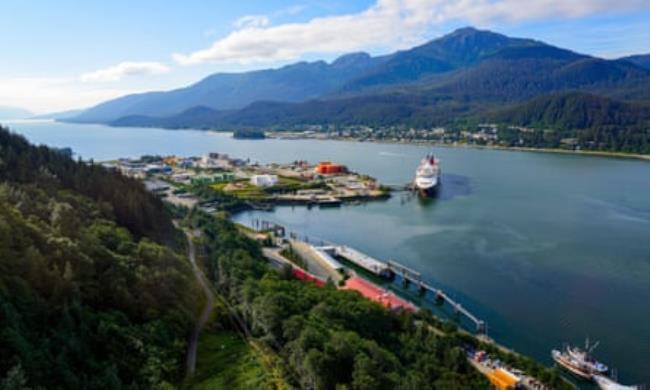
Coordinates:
(207,310)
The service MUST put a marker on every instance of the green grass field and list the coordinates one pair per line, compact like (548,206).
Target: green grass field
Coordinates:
(225,361)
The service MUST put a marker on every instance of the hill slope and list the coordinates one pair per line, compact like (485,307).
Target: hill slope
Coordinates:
(291,83)
(642,60)
(575,111)
(459,49)
(593,122)
(93,291)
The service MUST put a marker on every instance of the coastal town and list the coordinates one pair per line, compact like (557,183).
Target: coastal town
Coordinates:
(480,134)
(205,181)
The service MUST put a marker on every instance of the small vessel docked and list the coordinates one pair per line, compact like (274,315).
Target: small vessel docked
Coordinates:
(427,175)
(580,361)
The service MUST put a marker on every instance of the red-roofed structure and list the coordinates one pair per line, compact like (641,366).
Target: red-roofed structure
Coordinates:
(378,294)
(306,277)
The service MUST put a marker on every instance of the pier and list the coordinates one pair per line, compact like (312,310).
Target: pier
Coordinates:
(326,254)
(362,260)
(410,276)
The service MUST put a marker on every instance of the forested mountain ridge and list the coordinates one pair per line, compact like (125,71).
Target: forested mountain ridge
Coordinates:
(291,83)
(93,293)
(466,71)
(459,49)
(642,60)
(590,121)
(575,110)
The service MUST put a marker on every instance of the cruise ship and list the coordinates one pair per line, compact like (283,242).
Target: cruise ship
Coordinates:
(579,361)
(427,175)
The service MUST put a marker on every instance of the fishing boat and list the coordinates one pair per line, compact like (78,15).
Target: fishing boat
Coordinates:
(580,361)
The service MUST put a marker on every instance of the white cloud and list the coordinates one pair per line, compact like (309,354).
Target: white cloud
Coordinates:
(54,94)
(125,69)
(252,21)
(388,24)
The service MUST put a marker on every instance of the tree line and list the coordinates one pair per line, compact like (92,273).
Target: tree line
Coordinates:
(89,296)
(334,339)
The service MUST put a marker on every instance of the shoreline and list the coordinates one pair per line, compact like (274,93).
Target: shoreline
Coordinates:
(592,153)
(279,136)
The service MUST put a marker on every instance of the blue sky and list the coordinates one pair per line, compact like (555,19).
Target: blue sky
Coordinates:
(67,54)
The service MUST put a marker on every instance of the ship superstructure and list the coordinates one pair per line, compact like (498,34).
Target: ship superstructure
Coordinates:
(427,175)
(580,361)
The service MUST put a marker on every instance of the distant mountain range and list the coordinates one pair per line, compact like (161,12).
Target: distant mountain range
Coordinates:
(468,73)
(59,115)
(640,60)
(7,112)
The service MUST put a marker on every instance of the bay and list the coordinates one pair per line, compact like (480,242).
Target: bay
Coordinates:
(547,248)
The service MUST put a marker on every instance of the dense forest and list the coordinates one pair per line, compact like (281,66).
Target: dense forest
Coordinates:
(593,122)
(329,338)
(93,290)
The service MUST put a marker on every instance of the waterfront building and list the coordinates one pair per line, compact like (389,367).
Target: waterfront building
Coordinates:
(329,168)
(264,180)
(503,379)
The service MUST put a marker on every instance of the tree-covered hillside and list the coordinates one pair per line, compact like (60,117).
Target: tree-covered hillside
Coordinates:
(336,339)
(90,297)
(595,122)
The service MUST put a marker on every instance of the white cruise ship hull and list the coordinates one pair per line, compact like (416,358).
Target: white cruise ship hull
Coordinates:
(427,176)
(427,186)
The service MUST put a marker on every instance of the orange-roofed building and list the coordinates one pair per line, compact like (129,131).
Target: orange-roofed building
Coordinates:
(503,379)
(328,168)
(170,160)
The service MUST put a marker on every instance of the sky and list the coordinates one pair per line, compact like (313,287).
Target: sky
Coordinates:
(64,54)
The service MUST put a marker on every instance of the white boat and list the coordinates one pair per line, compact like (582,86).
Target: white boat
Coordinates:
(580,361)
(427,175)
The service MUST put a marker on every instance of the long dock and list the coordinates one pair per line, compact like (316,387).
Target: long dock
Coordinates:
(392,268)
(326,253)
(410,276)
(364,261)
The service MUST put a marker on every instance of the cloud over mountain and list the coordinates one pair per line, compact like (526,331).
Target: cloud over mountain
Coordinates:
(387,23)
(125,69)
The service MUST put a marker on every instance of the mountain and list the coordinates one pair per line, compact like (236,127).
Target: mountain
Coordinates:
(520,73)
(466,73)
(642,60)
(59,115)
(575,110)
(291,83)
(575,118)
(7,112)
(462,48)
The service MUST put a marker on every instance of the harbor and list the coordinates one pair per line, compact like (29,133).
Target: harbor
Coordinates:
(190,181)
(319,262)
(333,257)
(535,287)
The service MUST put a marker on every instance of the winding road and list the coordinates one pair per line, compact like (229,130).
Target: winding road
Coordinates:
(207,310)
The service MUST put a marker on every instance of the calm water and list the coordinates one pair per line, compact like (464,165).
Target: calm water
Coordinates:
(547,248)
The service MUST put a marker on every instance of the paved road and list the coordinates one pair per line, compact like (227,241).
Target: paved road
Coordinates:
(276,260)
(205,313)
